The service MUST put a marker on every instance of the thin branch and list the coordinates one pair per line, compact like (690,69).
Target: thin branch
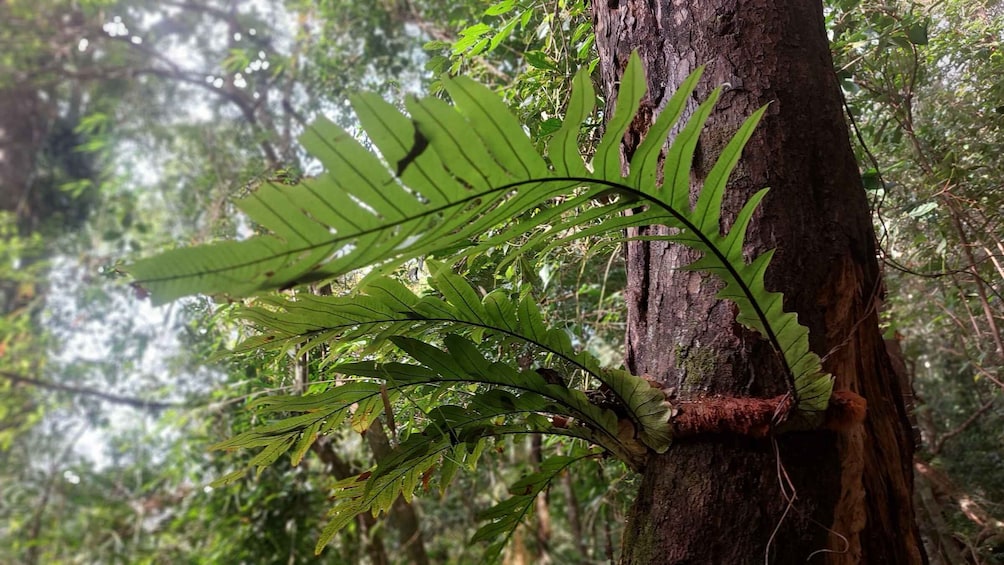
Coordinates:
(940,443)
(981,370)
(981,292)
(35,529)
(205,9)
(84,391)
(246,107)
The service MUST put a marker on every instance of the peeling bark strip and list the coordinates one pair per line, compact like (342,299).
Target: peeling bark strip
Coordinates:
(717,498)
(741,416)
(757,417)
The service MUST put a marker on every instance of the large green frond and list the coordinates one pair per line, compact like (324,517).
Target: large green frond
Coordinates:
(464,177)
(454,180)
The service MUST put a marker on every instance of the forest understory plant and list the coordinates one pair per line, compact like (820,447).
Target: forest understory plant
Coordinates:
(452,182)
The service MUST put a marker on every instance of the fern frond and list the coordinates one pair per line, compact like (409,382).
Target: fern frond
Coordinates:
(462,362)
(506,516)
(456,180)
(321,413)
(464,177)
(383,302)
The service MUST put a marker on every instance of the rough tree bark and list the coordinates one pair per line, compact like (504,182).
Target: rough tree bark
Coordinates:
(719,499)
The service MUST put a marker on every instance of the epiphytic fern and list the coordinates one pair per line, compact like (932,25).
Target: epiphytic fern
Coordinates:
(455,180)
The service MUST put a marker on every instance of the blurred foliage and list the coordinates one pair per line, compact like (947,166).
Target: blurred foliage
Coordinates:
(529,49)
(150,117)
(22,347)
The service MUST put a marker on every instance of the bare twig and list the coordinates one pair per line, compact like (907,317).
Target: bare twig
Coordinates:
(940,443)
(84,391)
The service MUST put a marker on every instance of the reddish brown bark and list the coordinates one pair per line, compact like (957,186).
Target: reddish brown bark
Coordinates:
(720,499)
(736,416)
(760,417)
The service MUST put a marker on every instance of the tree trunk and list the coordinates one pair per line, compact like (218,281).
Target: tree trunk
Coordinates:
(724,499)
(21,134)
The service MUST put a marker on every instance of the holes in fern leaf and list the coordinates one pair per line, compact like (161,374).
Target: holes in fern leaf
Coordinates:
(340,252)
(359,202)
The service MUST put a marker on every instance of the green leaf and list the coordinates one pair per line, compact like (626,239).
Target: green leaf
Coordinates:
(675,190)
(922,210)
(563,149)
(506,516)
(321,412)
(338,517)
(503,134)
(647,407)
(469,36)
(644,162)
(539,60)
(549,126)
(917,33)
(500,8)
(607,161)
(502,34)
